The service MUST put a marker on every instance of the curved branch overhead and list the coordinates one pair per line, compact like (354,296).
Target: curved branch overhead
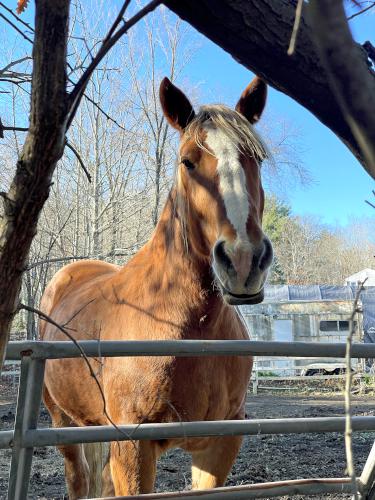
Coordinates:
(257,34)
(354,90)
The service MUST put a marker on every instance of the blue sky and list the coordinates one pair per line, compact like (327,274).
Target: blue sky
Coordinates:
(340,185)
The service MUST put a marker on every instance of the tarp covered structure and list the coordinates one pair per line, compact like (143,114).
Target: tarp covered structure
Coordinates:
(307,293)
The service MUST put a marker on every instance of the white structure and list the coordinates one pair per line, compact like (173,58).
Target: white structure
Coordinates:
(359,277)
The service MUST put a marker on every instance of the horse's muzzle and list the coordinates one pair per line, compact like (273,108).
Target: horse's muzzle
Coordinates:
(241,272)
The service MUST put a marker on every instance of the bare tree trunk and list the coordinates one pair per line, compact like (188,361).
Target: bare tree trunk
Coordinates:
(114,228)
(96,189)
(257,34)
(78,209)
(155,211)
(43,148)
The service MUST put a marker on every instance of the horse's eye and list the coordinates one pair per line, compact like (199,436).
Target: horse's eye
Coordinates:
(188,164)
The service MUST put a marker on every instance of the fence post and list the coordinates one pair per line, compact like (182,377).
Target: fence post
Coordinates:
(367,478)
(255,383)
(28,405)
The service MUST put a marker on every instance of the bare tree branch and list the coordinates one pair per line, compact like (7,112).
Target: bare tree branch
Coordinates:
(51,114)
(78,257)
(110,118)
(353,90)
(297,21)
(63,329)
(117,20)
(361,11)
(42,149)
(234,26)
(97,105)
(27,25)
(78,156)
(14,63)
(369,202)
(16,129)
(108,43)
(16,28)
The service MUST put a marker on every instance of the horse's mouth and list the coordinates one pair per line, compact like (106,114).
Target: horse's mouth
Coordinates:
(237,300)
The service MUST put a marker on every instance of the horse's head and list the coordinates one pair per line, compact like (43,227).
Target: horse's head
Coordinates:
(219,188)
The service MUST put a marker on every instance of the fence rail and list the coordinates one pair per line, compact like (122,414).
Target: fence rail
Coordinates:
(93,348)
(260,490)
(26,435)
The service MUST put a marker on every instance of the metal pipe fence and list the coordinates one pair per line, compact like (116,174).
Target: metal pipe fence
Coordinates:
(261,490)
(26,434)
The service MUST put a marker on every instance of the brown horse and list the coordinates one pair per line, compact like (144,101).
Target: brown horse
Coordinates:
(207,251)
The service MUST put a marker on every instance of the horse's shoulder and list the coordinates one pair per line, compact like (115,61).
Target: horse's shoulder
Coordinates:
(70,278)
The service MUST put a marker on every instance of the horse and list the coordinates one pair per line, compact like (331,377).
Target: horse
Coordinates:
(207,254)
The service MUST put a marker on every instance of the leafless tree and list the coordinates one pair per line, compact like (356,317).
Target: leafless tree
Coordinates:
(52,110)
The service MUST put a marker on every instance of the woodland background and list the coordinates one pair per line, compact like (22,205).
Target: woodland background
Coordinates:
(128,152)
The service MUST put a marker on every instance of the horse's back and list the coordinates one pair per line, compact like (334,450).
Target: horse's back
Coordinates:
(70,279)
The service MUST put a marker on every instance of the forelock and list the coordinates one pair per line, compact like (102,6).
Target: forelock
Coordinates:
(235,126)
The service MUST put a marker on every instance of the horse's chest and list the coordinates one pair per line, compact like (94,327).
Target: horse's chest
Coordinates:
(170,389)
(210,388)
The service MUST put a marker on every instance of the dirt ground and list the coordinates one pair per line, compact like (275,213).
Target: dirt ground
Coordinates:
(262,458)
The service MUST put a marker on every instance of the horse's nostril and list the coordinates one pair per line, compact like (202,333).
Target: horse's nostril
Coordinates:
(221,256)
(267,255)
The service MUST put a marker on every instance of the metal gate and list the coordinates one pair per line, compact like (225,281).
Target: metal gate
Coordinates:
(26,434)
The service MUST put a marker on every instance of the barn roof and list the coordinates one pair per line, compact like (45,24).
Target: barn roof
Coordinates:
(281,293)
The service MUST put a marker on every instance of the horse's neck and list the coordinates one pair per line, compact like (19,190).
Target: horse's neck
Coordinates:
(174,265)
(170,281)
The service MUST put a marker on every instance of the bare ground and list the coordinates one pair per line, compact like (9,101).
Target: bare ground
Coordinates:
(262,458)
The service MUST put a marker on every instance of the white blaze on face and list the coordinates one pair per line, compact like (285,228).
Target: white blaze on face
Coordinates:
(232,180)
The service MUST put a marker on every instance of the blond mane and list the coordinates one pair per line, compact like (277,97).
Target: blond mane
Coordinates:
(235,126)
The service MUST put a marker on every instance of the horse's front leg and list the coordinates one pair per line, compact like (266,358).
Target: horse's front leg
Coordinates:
(212,465)
(133,467)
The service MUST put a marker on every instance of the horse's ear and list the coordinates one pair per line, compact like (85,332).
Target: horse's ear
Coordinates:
(253,99)
(176,106)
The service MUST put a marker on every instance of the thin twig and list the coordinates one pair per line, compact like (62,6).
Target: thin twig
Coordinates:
(17,17)
(78,156)
(16,28)
(369,202)
(348,396)
(297,21)
(119,253)
(110,118)
(48,319)
(77,92)
(16,129)
(361,11)
(14,63)
(117,20)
